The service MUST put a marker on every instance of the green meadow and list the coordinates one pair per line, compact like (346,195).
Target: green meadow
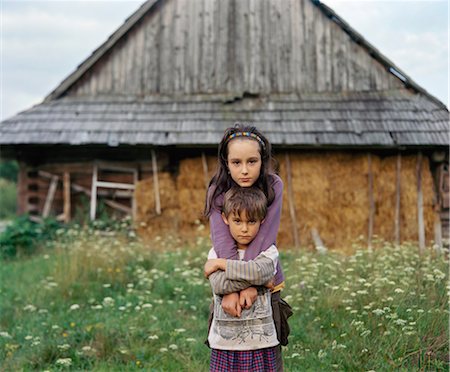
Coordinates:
(91,300)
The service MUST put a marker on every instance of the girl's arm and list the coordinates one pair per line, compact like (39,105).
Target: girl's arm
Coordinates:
(223,242)
(221,238)
(267,234)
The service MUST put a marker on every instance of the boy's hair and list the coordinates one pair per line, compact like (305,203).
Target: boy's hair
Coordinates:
(222,181)
(249,199)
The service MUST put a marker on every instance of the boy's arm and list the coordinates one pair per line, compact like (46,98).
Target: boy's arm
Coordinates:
(255,272)
(222,286)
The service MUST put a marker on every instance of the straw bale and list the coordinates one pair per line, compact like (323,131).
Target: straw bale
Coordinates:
(191,172)
(408,201)
(145,195)
(192,203)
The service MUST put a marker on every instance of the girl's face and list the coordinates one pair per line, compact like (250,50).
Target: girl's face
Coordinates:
(244,161)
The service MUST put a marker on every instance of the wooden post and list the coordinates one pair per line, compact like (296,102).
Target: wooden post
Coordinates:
(420,220)
(320,247)
(50,196)
(437,232)
(291,202)
(205,170)
(371,203)
(67,201)
(398,184)
(133,198)
(94,191)
(156,183)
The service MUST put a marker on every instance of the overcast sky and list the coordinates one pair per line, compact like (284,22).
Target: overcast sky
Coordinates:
(42,42)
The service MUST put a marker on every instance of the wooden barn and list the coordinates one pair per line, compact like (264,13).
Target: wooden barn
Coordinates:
(362,149)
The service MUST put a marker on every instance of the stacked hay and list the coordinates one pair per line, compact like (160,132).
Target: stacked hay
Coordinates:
(331,194)
(182,201)
(149,223)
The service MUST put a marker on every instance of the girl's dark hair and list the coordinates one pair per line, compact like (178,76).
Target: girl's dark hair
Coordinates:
(222,181)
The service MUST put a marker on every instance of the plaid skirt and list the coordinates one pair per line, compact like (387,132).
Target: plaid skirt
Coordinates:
(261,360)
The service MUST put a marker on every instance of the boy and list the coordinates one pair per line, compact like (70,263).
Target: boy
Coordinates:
(251,335)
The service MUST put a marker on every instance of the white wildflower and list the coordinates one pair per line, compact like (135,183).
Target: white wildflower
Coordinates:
(173,347)
(63,347)
(163,350)
(5,335)
(74,307)
(180,330)
(108,301)
(153,337)
(378,312)
(65,362)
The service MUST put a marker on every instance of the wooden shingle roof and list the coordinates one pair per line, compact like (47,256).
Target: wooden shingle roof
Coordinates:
(358,119)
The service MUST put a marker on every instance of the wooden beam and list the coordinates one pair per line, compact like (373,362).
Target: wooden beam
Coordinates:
(118,206)
(437,232)
(115,185)
(50,196)
(67,202)
(420,220)
(398,184)
(94,192)
(133,199)
(117,193)
(291,202)
(371,202)
(320,247)
(156,183)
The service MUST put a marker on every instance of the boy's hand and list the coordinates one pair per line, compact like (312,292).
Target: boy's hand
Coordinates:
(213,265)
(231,305)
(270,284)
(247,297)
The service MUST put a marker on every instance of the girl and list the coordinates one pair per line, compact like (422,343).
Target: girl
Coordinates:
(245,160)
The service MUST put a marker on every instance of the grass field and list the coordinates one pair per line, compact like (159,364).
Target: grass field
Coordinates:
(106,302)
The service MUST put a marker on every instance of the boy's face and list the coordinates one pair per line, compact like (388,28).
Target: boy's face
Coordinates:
(242,229)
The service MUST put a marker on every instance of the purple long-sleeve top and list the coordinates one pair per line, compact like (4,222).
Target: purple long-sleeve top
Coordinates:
(223,242)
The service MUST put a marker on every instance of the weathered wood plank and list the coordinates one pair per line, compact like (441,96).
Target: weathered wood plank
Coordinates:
(165,64)
(420,212)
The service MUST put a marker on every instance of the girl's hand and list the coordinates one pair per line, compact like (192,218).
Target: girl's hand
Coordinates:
(270,284)
(231,305)
(213,265)
(247,297)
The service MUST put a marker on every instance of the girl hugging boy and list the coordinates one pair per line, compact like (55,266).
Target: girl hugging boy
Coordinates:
(251,337)
(245,163)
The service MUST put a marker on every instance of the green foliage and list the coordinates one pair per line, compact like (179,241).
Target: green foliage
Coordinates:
(23,237)
(101,301)
(9,170)
(8,198)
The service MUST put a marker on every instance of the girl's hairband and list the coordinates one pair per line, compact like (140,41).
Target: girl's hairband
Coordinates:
(246,134)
